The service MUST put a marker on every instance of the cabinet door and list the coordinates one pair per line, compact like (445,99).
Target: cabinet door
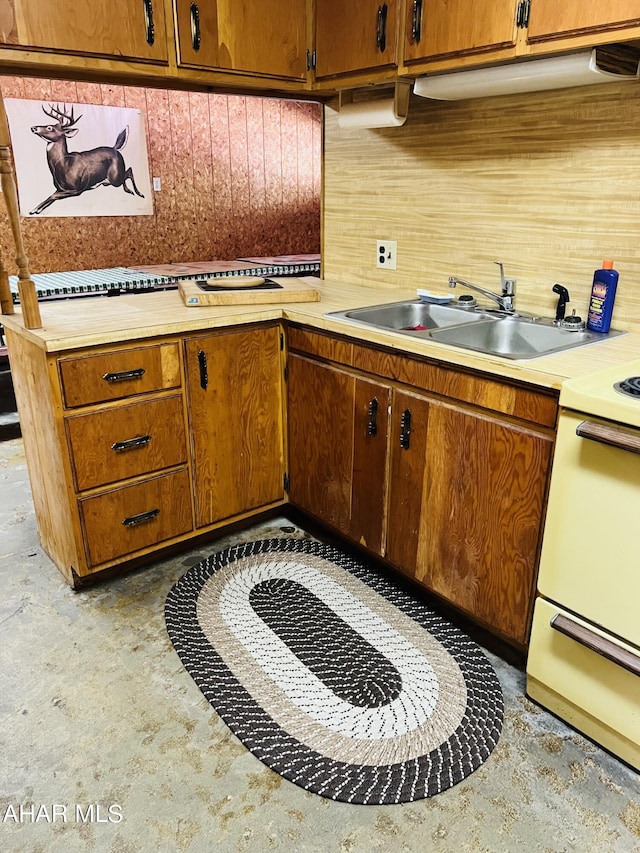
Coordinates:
(473,487)
(355,36)
(235,415)
(550,19)
(253,36)
(337,448)
(436,30)
(130,28)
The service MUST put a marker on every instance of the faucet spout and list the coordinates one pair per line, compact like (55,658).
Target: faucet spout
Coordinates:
(505,300)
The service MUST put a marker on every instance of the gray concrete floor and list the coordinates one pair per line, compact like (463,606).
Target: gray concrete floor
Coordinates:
(97,710)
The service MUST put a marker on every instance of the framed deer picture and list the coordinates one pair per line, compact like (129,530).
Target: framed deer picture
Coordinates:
(79,159)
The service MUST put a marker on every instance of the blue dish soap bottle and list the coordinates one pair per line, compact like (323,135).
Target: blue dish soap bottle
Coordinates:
(603,295)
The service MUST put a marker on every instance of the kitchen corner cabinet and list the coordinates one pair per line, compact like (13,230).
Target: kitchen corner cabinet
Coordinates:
(234,392)
(130,29)
(355,37)
(338,448)
(450,489)
(265,37)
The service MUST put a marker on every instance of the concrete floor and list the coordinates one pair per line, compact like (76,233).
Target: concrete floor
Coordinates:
(96,710)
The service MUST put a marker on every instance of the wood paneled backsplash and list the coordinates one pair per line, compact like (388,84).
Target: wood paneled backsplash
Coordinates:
(548,183)
(239,176)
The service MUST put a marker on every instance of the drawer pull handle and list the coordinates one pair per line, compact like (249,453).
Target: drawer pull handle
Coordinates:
(610,435)
(372,425)
(405,430)
(601,645)
(132,520)
(123,375)
(131,443)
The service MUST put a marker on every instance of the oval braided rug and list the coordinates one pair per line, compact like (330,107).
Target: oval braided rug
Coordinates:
(332,675)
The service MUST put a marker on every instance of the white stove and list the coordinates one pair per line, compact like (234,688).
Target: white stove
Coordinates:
(584,654)
(613,393)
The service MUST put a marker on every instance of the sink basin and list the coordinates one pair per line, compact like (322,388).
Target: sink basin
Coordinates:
(411,316)
(516,337)
(508,336)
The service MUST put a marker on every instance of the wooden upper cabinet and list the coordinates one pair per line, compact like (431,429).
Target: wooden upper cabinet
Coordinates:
(353,37)
(550,19)
(129,29)
(435,29)
(267,37)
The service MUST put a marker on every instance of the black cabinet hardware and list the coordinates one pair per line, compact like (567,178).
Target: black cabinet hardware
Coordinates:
(202,363)
(372,425)
(123,375)
(196,37)
(149,515)
(148,20)
(131,443)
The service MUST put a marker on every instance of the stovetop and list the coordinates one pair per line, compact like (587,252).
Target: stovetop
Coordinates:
(605,394)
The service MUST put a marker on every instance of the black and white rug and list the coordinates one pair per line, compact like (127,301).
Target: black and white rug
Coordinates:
(332,675)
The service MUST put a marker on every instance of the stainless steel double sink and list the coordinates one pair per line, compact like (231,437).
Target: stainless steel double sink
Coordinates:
(493,333)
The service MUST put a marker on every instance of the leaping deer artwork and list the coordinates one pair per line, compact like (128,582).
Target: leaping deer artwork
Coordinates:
(75,172)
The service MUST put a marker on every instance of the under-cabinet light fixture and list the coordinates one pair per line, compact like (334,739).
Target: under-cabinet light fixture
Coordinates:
(534,75)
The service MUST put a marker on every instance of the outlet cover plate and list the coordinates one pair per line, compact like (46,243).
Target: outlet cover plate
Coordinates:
(386,254)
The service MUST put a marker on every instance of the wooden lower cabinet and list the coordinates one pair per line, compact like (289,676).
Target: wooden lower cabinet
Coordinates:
(440,471)
(234,392)
(451,495)
(466,501)
(338,448)
(125,457)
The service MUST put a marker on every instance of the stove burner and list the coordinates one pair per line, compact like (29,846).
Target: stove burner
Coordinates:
(630,386)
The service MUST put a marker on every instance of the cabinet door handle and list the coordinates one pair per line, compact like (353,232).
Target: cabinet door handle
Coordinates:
(372,425)
(123,375)
(132,520)
(405,429)
(601,645)
(195,26)
(381,28)
(416,20)
(611,435)
(204,373)
(149,24)
(131,443)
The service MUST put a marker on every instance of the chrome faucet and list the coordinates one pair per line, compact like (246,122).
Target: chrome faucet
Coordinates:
(506,300)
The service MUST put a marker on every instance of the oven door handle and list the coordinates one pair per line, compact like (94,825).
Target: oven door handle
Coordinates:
(601,645)
(611,435)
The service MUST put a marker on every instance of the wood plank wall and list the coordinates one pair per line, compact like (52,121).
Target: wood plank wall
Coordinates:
(548,183)
(239,176)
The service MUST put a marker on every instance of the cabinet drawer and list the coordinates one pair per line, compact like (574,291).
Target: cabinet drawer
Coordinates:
(128,519)
(591,692)
(90,379)
(123,442)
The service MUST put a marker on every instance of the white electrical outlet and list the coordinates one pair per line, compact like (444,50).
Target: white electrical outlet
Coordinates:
(157,184)
(386,254)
